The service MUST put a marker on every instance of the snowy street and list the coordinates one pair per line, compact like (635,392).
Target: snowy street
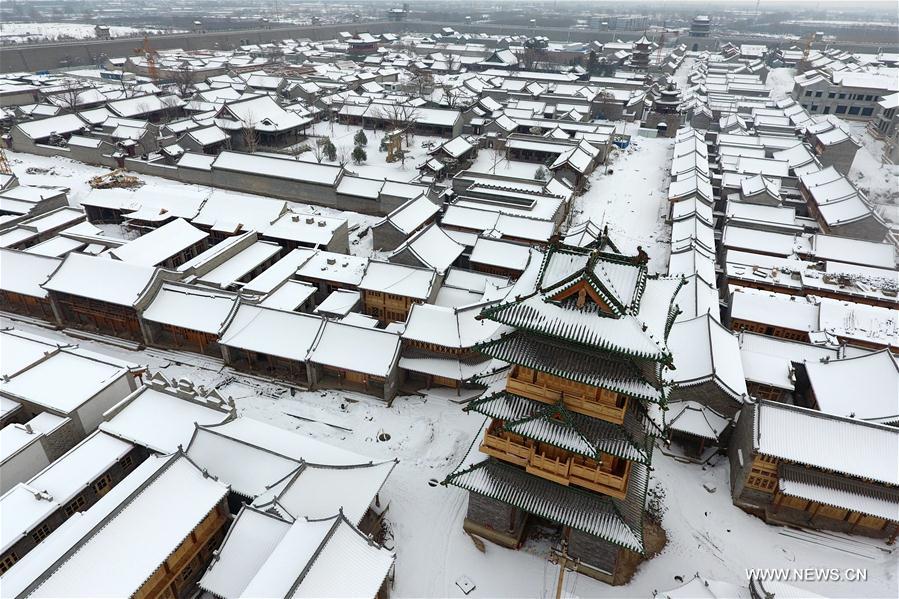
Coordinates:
(633,199)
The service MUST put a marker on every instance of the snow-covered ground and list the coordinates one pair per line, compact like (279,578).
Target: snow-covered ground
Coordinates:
(492,162)
(632,199)
(780,82)
(879,180)
(375,165)
(683,71)
(34,32)
(430,435)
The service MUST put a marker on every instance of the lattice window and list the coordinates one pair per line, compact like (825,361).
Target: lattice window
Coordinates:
(103,484)
(7,562)
(74,506)
(40,533)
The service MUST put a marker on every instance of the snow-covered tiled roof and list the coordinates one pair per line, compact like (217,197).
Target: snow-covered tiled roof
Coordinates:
(398,279)
(247,469)
(25,272)
(838,493)
(695,419)
(589,512)
(43,128)
(273,332)
(160,420)
(705,351)
(433,248)
(358,349)
(26,505)
(160,523)
(158,245)
(101,279)
(192,308)
(844,445)
(281,168)
(315,491)
(448,327)
(411,215)
(864,387)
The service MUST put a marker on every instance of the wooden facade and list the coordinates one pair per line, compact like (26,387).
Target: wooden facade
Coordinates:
(764,478)
(177,576)
(496,270)
(96,315)
(761,391)
(738,325)
(786,492)
(27,305)
(387,307)
(267,365)
(185,255)
(189,339)
(342,378)
(90,494)
(595,402)
(608,476)
(433,350)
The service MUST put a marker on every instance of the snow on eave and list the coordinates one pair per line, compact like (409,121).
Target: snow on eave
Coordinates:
(83,546)
(824,449)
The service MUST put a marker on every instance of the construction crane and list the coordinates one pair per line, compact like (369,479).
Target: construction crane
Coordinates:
(806,50)
(5,169)
(661,44)
(150,55)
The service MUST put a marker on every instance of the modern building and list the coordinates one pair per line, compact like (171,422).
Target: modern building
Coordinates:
(848,94)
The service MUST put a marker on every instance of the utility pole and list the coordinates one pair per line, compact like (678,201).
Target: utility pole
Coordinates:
(561,557)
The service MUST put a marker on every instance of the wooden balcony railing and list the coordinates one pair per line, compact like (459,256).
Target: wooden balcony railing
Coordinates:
(505,448)
(563,470)
(553,468)
(593,478)
(583,404)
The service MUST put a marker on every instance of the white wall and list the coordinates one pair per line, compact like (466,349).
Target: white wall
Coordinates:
(90,414)
(24,465)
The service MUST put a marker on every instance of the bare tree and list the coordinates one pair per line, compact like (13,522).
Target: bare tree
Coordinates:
(171,108)
(183,79)
(497,154)
(318,150)
(401,117)
(529,56)
(143,108)
(250,134)
(71,92)
(125,91)
(451,95)
(422,83)
(606,106)
(344,155)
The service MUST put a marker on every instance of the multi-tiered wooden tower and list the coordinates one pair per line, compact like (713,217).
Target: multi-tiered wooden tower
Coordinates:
(568,439)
